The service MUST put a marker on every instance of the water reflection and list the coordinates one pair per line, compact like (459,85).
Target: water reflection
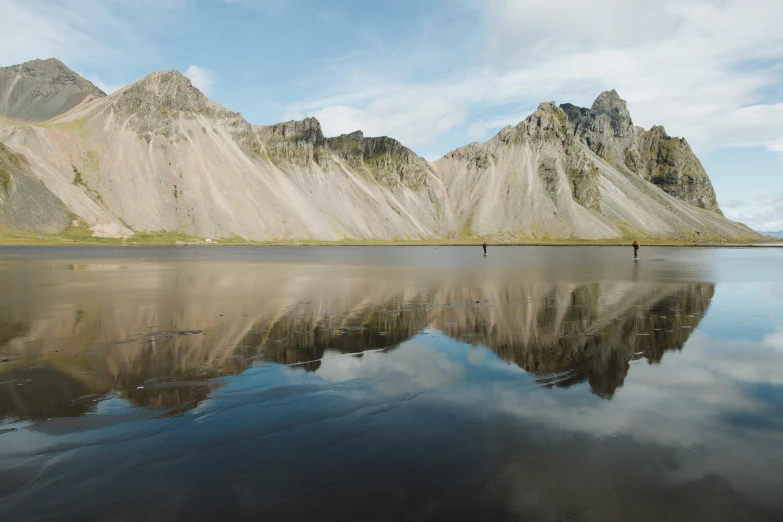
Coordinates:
(419,387)
(162,338)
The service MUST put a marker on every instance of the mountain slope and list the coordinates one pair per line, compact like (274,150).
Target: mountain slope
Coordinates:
(159,156)
(541,179)
(25,204)
(42,89)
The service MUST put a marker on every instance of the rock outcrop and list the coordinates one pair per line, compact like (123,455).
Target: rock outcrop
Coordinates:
(386,159)
(159,156)
(39,90)
(670,163)
(296,143)
(667,162)
(556,175)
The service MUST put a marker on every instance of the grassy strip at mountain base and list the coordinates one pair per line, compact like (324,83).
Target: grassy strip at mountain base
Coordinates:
(83,236)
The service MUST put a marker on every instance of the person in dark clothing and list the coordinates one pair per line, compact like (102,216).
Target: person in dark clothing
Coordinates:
(635,250)
(485,248)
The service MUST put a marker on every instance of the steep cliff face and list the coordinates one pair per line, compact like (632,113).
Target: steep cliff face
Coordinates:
(297,143)
(300,143)
(42,89)
(669,163)
(386,159)
(606,124)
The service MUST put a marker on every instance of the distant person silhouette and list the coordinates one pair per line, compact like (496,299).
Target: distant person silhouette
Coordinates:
(485,248)
(635,250)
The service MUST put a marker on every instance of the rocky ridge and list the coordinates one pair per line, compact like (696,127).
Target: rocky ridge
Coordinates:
(385,159)
(555,175)
(158,155)
(667,162)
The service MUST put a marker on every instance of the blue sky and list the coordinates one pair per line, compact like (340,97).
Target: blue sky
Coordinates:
(437,74)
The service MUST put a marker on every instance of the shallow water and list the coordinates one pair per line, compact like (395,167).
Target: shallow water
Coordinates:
(400,383)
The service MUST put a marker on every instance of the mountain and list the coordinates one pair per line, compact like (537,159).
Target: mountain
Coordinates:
(158,156)
(669,163)
(556,175)
(42,89)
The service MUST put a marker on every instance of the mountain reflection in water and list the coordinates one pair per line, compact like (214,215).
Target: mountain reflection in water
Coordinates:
(334,384)
(161,346)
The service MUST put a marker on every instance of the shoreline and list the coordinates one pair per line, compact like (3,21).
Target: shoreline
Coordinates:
(82,236)
(103,242)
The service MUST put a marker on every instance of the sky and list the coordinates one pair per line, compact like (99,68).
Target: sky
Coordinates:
(438,74)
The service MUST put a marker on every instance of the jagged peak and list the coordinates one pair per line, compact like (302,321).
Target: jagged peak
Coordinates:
(659,129)
(574,112)
(610,113)
(175,86)
(53,71)
(547,106)
(374,142)
(170,78)
(292,128)
(163,94)
(355,135)
(44,62)
(609,99)
(547,121)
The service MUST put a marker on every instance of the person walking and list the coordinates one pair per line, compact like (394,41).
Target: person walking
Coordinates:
(635,250)
(485,248)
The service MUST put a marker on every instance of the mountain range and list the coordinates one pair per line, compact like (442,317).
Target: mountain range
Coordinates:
(159,156)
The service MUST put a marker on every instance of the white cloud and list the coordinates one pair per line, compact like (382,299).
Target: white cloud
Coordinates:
(34,29)
(203,79)
(776,146)
(108,88)
(477,130)
(78,32)
(563,24)
(763,214)
(426,114)
(83,34)
(415,369)
(681,402)
(731,203)
(775,340)
(697,67)
(269,7)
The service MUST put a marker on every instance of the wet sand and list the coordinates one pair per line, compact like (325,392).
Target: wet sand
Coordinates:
(397,383)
